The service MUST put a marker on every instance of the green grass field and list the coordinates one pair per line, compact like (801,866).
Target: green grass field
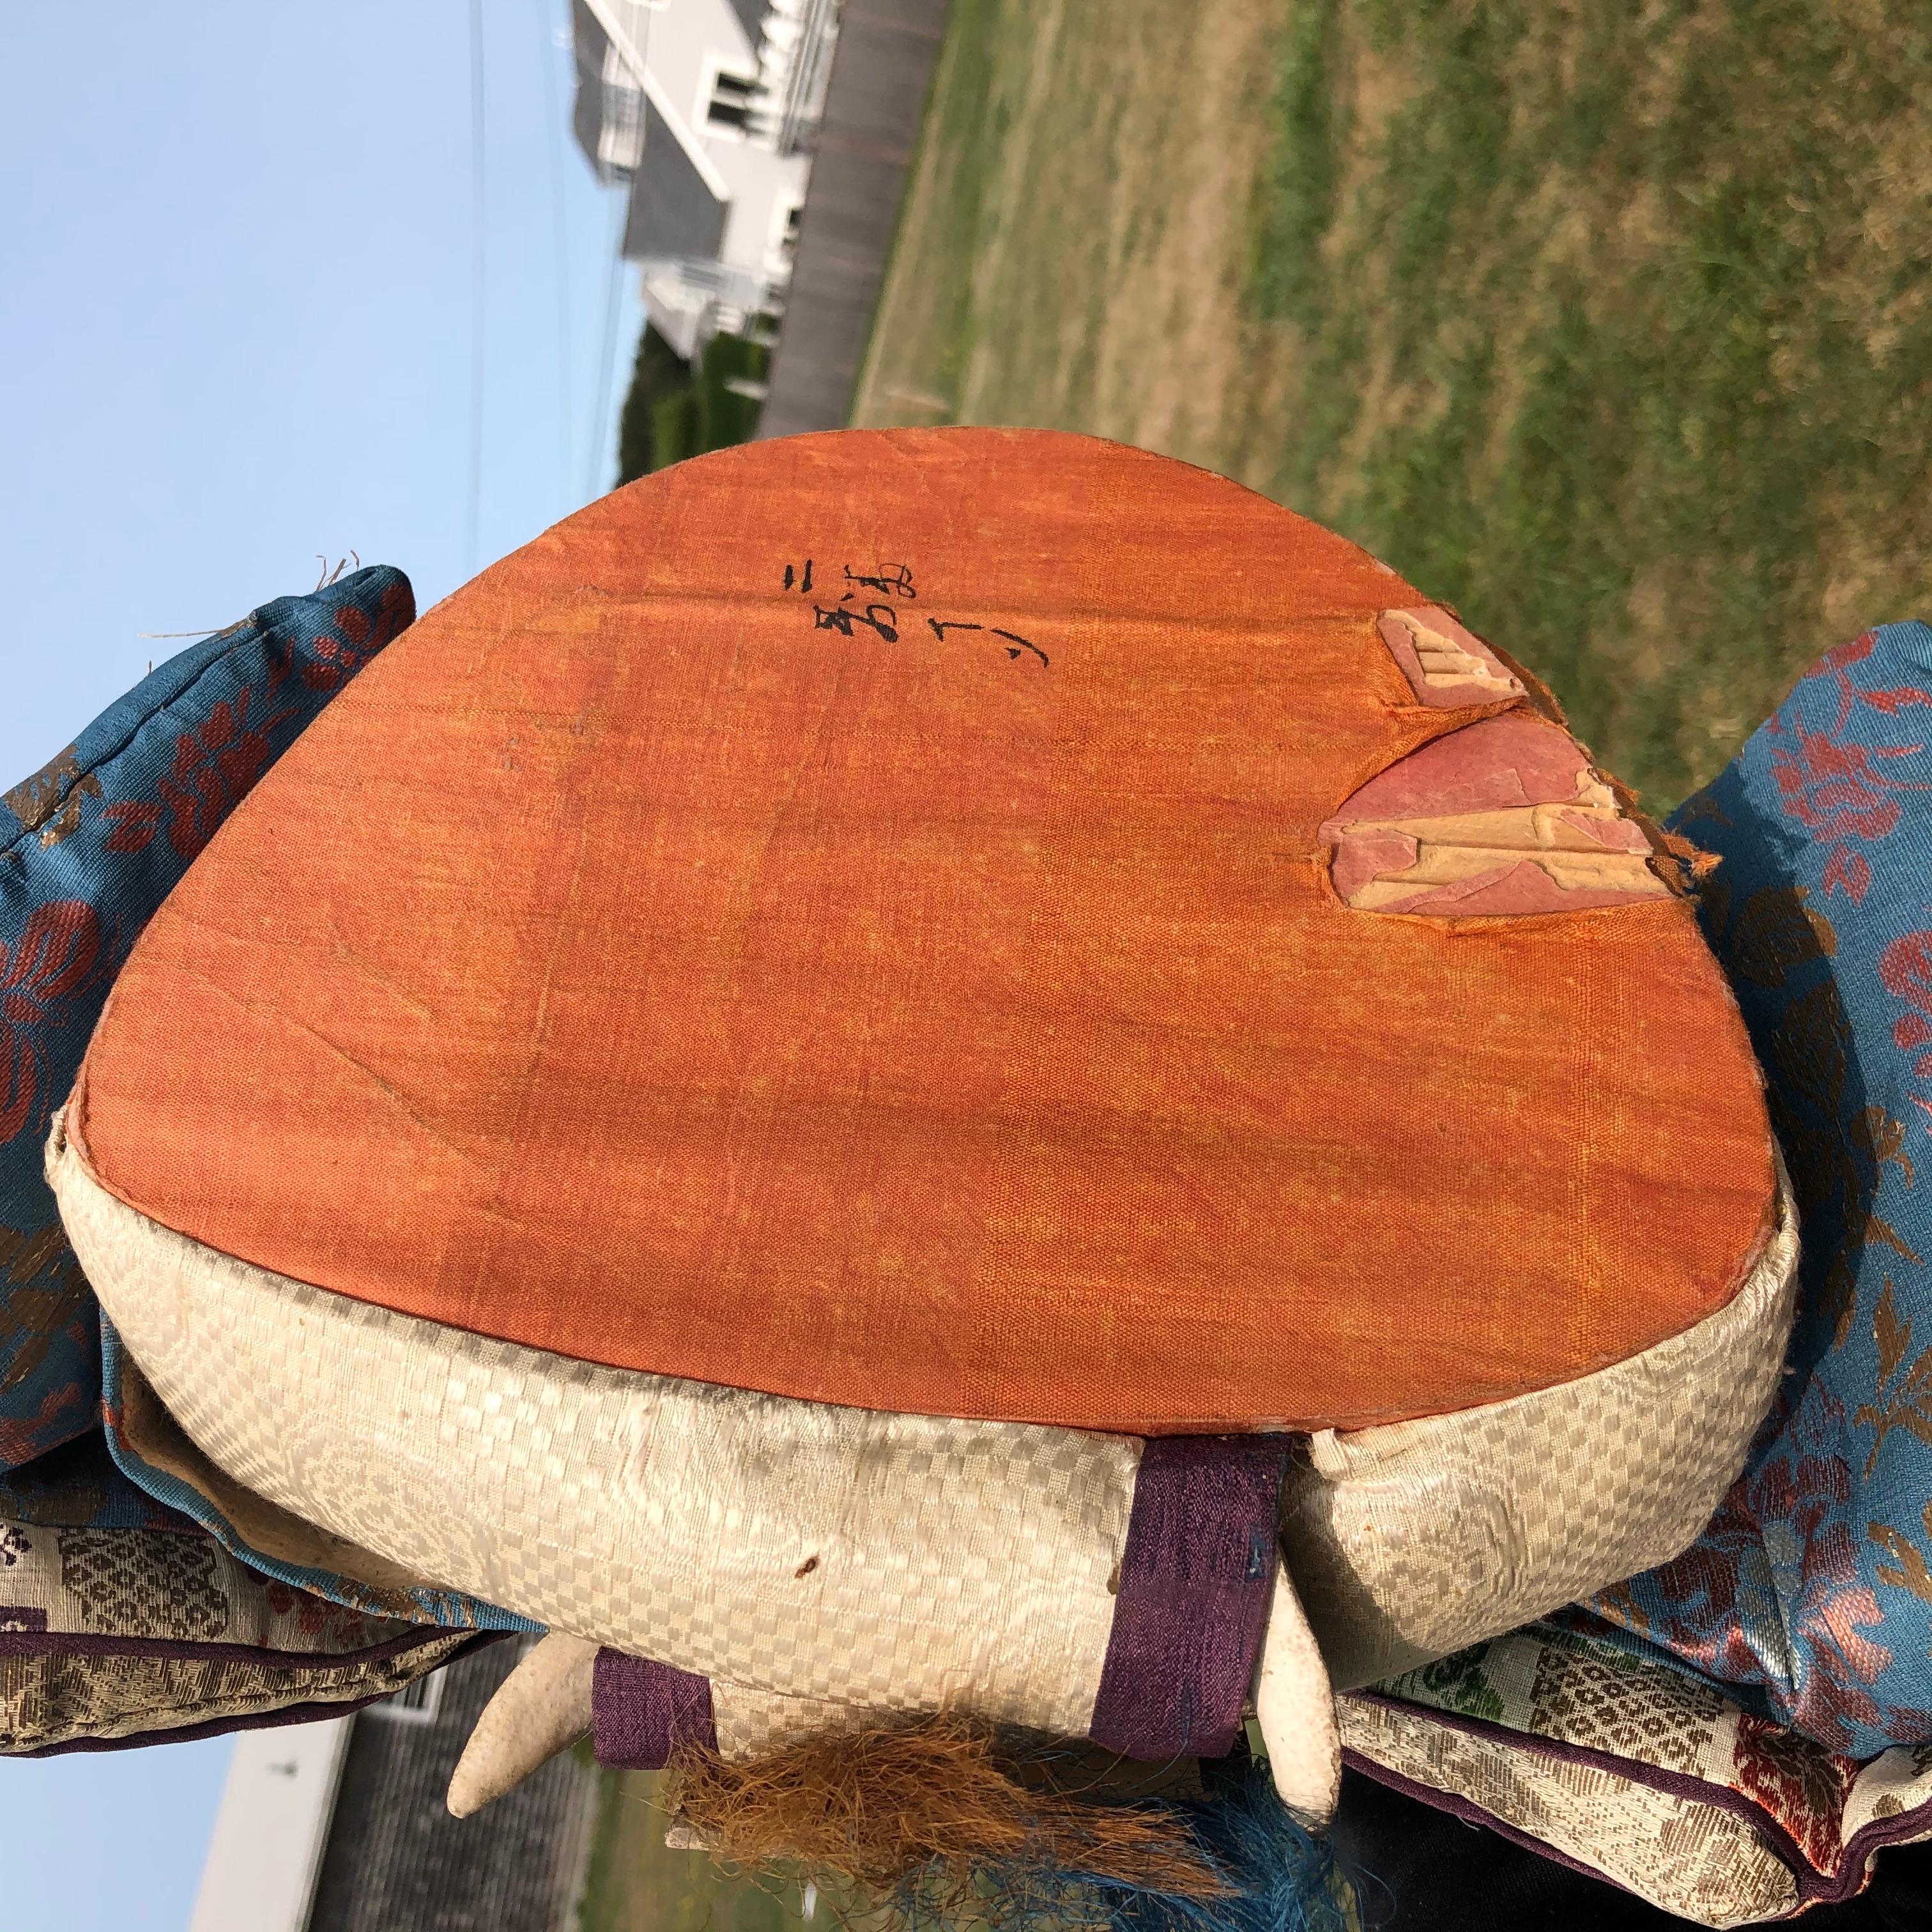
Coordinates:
(1610,323)
(634,1884)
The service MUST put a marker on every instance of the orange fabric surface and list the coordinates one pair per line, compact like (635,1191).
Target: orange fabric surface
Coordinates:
(632,964)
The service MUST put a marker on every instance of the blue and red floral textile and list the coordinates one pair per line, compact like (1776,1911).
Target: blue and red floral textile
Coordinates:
(1811,1593)
(89,846)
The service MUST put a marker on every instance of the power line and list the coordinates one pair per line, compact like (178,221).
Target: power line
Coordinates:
(479,286)
(600,432)
(606,356)
(567,414)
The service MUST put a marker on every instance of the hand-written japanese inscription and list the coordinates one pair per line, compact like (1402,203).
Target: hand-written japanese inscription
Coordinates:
(893,582)
(1016,645)
(881,617)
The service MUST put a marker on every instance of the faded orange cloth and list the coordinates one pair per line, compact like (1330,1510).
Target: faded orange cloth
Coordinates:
(919,984)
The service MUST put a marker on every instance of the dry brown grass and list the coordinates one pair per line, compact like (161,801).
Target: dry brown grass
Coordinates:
(1125,318)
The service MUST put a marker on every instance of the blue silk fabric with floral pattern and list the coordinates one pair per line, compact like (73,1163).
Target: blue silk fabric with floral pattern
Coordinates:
(1811,1593)
(89,846)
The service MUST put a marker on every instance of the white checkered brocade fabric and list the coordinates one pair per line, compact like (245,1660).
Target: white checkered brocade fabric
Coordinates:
(960,1561)
(1411,1540)
(750,1723)
(892,1562)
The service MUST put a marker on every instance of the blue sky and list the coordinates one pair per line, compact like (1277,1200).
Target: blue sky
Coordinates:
(237,319)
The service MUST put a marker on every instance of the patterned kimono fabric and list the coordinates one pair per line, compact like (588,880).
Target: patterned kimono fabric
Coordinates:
(1735,1734)
(90,845)
(1421,1870)
(1812,1592)
(124,1620)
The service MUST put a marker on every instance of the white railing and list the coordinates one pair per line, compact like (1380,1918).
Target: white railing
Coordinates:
(794,65)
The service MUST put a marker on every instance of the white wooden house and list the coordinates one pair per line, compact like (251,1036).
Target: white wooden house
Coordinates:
(705,109)
(341,1826)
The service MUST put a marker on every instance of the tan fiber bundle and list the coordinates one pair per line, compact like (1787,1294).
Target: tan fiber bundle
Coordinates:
(879,1806)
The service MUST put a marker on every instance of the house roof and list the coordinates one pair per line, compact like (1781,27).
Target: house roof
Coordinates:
(751,17)
(395,1857)
(592,46)
(673,213)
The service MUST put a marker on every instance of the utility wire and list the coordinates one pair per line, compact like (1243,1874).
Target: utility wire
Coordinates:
(555,137)
(600,429)
(478,287)
(602,438)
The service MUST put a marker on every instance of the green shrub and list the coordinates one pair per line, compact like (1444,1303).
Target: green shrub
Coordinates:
(672,412)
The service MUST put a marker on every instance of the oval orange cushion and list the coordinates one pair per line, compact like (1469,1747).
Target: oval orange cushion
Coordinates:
(933,998)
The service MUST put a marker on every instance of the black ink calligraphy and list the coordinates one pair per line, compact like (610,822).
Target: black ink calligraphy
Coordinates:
(892,579)
(1015,643)
(882,617)
(1020,643)
(891,584)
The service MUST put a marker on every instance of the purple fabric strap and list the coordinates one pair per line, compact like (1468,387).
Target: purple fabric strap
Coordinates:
(642,1711)
(1196,1583)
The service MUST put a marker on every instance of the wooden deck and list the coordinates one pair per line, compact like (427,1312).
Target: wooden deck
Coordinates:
(875,103)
